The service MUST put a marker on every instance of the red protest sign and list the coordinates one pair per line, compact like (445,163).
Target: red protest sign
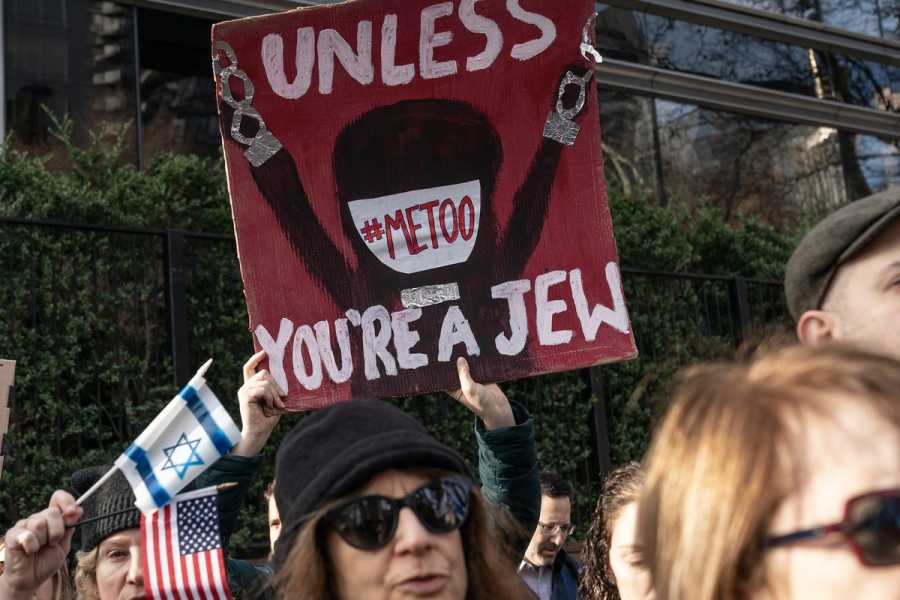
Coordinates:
(417,181)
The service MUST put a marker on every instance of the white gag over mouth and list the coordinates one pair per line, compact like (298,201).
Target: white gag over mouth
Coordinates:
(420,230)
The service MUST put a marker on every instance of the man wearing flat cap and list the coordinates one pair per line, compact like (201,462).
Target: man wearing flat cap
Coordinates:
(843,280)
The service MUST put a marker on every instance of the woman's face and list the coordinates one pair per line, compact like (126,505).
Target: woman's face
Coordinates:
(120,575)
(626,558)
(414,564)
(847,453)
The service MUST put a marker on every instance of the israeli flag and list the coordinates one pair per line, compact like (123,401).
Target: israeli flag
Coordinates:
(185,439)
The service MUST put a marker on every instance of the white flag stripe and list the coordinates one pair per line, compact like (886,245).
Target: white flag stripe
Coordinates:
(204,573)
(217,576)
(189,580)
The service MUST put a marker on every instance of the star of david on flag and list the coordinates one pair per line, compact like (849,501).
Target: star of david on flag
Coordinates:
(191,433)
(182,550)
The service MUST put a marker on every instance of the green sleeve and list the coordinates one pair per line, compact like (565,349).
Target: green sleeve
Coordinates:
(508,469)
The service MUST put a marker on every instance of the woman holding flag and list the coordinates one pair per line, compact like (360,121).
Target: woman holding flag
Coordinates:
(111,563)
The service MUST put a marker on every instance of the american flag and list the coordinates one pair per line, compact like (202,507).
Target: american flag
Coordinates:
(182,550)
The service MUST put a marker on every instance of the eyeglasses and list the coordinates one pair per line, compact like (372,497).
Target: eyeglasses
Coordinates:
(554,528)
(871,525)
(369,522)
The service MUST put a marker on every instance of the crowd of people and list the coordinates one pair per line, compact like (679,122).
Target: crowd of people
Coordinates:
(772,477)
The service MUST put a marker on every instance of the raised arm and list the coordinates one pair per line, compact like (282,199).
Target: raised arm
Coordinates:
(532,200)
(276,176)
(507,459)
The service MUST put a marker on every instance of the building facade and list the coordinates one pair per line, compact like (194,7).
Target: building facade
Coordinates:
(779,108)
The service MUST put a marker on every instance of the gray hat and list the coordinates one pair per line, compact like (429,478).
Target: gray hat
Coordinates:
(112,498)
(834,241)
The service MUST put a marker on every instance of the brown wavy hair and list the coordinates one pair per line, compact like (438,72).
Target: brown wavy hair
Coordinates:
(491,569)
(620,489)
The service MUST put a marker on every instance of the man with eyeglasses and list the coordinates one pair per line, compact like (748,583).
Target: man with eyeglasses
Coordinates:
(547,569)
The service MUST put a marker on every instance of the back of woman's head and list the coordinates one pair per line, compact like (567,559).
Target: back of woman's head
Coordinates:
(727,454)
(620,488)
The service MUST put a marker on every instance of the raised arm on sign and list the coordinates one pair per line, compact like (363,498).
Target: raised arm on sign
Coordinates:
(36,547)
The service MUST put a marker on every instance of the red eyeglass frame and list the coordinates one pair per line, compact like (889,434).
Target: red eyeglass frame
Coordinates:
(843,526)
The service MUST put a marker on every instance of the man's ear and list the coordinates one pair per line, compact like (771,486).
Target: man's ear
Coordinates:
(817,327)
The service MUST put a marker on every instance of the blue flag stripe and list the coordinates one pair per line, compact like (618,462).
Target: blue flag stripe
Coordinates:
(201,413)
(138,456)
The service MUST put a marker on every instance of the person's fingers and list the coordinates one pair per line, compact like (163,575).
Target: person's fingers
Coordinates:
(466,384)
(65,503)
(56,526)
(275,393)
(252,363)
(25,541)
(37,525)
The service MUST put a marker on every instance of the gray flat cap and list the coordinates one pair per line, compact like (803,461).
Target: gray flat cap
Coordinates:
(835,240)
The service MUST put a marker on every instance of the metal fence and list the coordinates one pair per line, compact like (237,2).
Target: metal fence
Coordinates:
(129,313)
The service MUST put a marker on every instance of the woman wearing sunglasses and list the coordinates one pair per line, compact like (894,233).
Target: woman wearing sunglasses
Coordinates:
(373,507)
(779,479)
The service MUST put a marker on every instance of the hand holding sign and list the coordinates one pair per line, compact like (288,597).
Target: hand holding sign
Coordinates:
(487,402)
(36,547)
(261,407)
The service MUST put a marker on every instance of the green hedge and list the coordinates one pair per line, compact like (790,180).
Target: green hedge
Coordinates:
(84,314)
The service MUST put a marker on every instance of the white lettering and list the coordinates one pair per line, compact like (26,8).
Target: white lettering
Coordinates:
(455,330)
(545,309)
(273,61)
(311,379)
(514,292)
(617,317)
(532,48)
(478,24)
(357,64)
(392,74)
(429,40)
(323,337)
(375,342)
(405,339)
(275,350)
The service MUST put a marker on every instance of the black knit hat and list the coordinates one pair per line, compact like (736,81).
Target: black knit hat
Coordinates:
(338,449)
(113,496)
(835,240)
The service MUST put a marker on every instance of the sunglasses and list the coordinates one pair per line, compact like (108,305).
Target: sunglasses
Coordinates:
(871,525)
(369,522)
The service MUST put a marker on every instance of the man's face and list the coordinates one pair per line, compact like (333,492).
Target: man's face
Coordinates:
(865,296)
(548,538)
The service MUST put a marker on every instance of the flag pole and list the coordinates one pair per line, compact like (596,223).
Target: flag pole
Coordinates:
(94,487)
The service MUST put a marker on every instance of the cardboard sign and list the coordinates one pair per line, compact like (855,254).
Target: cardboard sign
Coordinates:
(7,377)
(414,181)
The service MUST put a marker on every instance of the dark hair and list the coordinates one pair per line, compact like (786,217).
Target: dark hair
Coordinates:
(491,572)
(620,488)
(554,486)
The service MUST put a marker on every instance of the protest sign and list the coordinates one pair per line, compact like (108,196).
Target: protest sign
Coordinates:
(7,377)
(416,181)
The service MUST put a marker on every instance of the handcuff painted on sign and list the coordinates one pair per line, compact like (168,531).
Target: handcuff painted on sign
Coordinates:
(560,125)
